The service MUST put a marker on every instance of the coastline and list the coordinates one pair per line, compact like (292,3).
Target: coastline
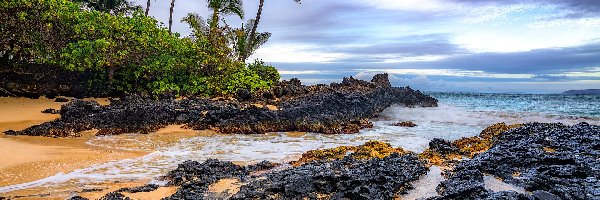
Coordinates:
(26,158)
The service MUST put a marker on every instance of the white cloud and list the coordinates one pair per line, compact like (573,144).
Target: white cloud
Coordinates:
(448,72)
(412,5)
(295,53)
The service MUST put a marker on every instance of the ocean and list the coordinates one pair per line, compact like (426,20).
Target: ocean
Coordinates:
(458,115)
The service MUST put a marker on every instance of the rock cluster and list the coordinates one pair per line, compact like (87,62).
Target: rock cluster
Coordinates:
(351,177)
(338,108)
(553,161)
(549,161)
(347,178)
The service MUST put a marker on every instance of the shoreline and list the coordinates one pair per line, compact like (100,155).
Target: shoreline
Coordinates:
(27,158)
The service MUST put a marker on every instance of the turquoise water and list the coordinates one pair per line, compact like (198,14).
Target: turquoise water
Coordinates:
(554,104)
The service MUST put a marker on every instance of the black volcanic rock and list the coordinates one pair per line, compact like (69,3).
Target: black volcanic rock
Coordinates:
(61,99)
(553,161)
(348,178)
(194,178)
(339,108)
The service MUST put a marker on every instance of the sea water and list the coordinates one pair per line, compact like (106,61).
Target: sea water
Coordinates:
(458,115)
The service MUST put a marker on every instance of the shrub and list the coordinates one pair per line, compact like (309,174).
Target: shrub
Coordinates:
(132,52)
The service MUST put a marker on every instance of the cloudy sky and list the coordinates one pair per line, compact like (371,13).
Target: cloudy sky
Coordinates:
(432,45)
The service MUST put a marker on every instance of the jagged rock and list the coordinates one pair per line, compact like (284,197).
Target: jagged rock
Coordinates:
(347,178)
(115,196)
(405,124)
(61,99)
(339,108)
(51,111)
(194,178)
(145,188)
(75,198)
(553,161)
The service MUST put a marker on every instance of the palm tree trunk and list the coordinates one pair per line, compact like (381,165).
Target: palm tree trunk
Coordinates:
(147,7)
(250,39)
(213,26)
(171,15)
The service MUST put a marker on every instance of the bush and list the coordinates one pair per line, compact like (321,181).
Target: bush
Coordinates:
(132,52)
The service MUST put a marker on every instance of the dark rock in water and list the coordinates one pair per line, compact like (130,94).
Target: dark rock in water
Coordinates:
(77,198)
(348,178)
(443,147)
(61,99)
(340,108)
(552,160)
(145,188)
(115,196)
(194,178)
(405,124)
(51,111)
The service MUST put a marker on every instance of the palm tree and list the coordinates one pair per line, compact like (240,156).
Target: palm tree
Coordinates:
(241,44)
(225,7)
(199,26)
(171,15)
(254,27)
(147,7)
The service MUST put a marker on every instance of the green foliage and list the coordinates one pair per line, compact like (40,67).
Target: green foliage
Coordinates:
(266,72)
(133,52)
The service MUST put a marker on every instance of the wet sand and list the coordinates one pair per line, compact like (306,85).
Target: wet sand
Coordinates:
(26,158)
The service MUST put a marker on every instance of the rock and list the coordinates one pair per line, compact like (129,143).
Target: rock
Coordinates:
(381,80)
(377,177)
(115,196)
(194,178)
(347,178)
(61,99)
(145,188)
(371,149)
(405,124)
(51,111)
(77,198)
(243,94)
(336,109)
(521,156)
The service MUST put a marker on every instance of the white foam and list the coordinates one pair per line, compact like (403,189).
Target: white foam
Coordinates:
(445,122)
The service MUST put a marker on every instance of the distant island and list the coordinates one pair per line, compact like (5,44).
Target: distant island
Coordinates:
(587,91)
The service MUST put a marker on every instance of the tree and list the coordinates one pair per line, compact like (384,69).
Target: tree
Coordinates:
(147,7)
(225,7)
(241,43)
(252,35)
(171,15)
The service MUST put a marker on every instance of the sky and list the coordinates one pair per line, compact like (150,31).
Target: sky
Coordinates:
(535,46)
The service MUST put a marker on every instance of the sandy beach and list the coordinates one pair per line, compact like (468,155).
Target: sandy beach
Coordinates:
(26,158)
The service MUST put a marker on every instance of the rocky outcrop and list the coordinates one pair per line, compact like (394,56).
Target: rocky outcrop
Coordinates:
(339,108)
(381,176)
(347,178)
(553,161)
(194,178)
